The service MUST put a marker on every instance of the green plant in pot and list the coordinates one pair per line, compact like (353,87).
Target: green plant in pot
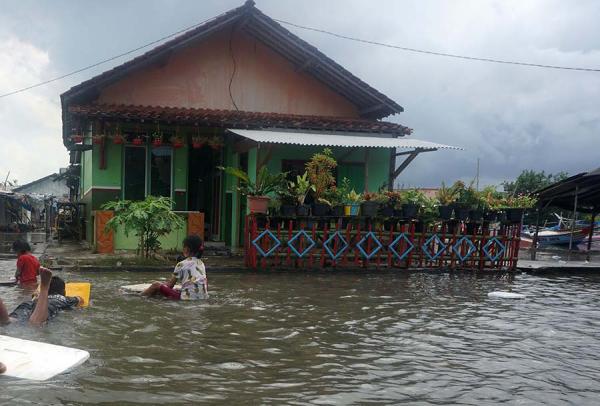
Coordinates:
(428,214)
(489,201)
(412,200)
(288,202)
(446,197)
(320,174)
(299,190)
(466,201)
(394,203)
(257,191)
(515,206)
(369,205)
(352,202)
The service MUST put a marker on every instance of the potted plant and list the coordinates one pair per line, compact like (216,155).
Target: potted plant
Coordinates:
(215,142)
(299,190)
(352,203)
(257,191)
(335,197)
(197,142)
(515,206)
(138,140)
(446,197)
(369,205)
(428,213)
(320,174)
(466,200)
(77,138)
(388,200)
(156,139)
(288,202)
(412,200)
(489,201)
(177,141)
(118,139)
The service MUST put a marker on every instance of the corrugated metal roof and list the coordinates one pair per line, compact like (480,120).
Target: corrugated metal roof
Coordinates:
(374,140)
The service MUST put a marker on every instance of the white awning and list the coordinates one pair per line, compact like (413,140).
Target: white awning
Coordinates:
(373,140)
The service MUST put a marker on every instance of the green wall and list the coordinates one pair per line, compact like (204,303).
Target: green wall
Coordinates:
(170,241)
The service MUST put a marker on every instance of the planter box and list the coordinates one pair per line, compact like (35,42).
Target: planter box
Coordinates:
(258,204)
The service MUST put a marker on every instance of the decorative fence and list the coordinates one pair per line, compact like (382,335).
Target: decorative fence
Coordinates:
(355,242)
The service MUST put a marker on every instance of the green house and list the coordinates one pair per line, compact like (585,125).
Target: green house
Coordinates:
(239,90)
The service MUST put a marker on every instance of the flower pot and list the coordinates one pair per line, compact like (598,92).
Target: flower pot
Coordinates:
(502,216)
(514,215)
(118,140)
(461,213)
(386,211)
(77,139)
(288,210)
(369,208)
(177,144)
(398,213)
(351,209)
(491,216)
(337,211)
(445,212)
(476,215)
(138,141)
(410,210)
(320,209)
(197,145)
(157,142)
(303,210)
(258,204)
(97,140)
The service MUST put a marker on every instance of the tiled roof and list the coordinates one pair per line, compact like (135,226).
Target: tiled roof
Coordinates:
(233,118)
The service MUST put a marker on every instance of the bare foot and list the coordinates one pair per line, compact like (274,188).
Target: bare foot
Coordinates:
(2,368)
(45,277)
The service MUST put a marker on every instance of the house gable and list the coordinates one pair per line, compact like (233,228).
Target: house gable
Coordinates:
(230,70)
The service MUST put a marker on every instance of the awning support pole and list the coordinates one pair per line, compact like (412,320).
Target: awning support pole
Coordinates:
(590,235)
(405,163)
(535,236)
(574,221)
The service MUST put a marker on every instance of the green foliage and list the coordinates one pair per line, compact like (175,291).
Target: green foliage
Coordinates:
(467,196)
(299,189)
(414,196)
(336,195)
(519,201)
(320,172)
(394,199)
(148,219)
(447,195)
(352,198)
(266,182)
(490,198)
(429,211)
(530,181)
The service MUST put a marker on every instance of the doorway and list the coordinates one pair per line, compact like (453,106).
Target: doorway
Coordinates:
(204,188)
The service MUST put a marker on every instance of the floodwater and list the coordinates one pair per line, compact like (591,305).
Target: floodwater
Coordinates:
(345,338)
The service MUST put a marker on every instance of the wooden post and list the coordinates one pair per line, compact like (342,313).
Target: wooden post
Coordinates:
(590,235)
(535,236)
(573,223)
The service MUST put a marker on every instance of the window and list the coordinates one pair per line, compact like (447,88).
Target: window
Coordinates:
(135,173)
(160,171)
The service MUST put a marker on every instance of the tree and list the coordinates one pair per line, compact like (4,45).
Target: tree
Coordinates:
(530,181)
(148,219)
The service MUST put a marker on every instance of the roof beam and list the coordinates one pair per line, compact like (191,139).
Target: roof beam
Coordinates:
(371,109)
(418,150)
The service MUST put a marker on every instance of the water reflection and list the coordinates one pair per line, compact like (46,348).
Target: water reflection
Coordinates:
(302,338)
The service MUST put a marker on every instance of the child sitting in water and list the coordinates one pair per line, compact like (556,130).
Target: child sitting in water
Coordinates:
(189,272)
(28,266)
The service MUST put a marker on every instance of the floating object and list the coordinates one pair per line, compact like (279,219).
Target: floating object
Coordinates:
(140,287)
(37,361)
(10,282)
(506,295)
(81,289)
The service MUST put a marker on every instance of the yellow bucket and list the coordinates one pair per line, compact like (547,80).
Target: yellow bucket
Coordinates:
(81,289)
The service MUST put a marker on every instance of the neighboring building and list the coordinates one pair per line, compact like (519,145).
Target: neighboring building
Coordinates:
(243,83)
(51,185)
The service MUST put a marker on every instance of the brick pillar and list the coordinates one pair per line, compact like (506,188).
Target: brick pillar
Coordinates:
(195,223)
(105,241)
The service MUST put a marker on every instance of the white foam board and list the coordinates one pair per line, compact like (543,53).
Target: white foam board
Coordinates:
(37,361)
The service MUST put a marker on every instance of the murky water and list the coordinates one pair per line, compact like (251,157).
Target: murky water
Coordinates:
(327,339)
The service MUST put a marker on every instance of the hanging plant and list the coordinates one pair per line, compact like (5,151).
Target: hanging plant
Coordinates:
(118,139)
(138,140)
(197,142)
(77,138)
(215,142)
(177,141)
(97,139)
(156,139)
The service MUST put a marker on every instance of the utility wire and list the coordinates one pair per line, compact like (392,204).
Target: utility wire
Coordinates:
(421,51)
(66,75)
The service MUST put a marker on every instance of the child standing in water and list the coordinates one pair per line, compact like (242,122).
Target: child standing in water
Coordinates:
(28,266)
(190,273)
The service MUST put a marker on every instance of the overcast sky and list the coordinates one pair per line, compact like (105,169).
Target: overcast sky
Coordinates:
(510,117)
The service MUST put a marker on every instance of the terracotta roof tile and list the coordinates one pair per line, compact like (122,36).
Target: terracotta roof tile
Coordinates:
(232,118)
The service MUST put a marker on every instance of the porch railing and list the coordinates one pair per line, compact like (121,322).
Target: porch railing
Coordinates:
(356,242)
